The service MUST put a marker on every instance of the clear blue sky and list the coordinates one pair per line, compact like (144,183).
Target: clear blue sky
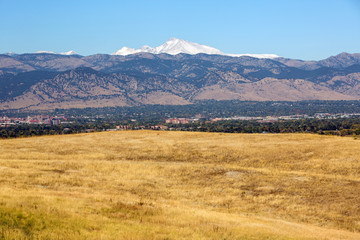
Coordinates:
(303,29)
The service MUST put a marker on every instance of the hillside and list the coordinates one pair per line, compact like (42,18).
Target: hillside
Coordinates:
(49,81)
(180,186)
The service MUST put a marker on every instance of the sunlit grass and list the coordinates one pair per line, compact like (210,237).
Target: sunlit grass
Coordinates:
(180,185)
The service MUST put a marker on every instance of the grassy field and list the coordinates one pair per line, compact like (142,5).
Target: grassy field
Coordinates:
(180,185)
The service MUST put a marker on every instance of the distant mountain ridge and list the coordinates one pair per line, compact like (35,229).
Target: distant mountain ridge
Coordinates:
(176,46)
(47,81)
(173,46)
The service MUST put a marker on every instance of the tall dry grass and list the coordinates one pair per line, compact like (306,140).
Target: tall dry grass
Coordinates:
(180,185)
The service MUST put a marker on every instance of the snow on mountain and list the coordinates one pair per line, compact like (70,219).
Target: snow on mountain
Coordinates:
(126,51)
(64,53)
(70,53)
(50,52)
(175,46)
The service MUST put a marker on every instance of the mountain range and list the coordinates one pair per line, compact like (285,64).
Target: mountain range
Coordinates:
(176,46)
(176,72)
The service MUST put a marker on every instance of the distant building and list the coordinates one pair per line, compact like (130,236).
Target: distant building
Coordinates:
(159,127)
(217,119)
(122,127)
(177,120)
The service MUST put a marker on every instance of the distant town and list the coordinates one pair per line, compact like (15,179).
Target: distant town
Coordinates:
(56,120)
(38,119)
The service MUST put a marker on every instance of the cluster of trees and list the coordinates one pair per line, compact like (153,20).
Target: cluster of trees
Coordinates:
(342,127)
(99,119)
(30,130)
(207,109)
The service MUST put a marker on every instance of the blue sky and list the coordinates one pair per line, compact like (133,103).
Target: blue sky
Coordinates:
(305,29)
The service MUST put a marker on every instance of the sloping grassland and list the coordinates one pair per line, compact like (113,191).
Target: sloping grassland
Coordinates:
(180,185)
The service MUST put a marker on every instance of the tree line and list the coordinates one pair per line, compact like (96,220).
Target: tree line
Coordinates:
(341,127)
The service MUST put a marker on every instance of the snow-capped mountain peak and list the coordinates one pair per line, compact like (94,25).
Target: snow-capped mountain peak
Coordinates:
(175,46)
(64,53)
(126,51)
(70,53)
(49,52)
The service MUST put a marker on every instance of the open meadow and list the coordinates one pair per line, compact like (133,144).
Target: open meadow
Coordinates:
(180,185)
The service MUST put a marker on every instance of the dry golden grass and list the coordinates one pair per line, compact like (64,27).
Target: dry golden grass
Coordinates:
(180,185)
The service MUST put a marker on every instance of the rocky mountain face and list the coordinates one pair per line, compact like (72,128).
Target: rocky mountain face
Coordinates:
(47,81)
